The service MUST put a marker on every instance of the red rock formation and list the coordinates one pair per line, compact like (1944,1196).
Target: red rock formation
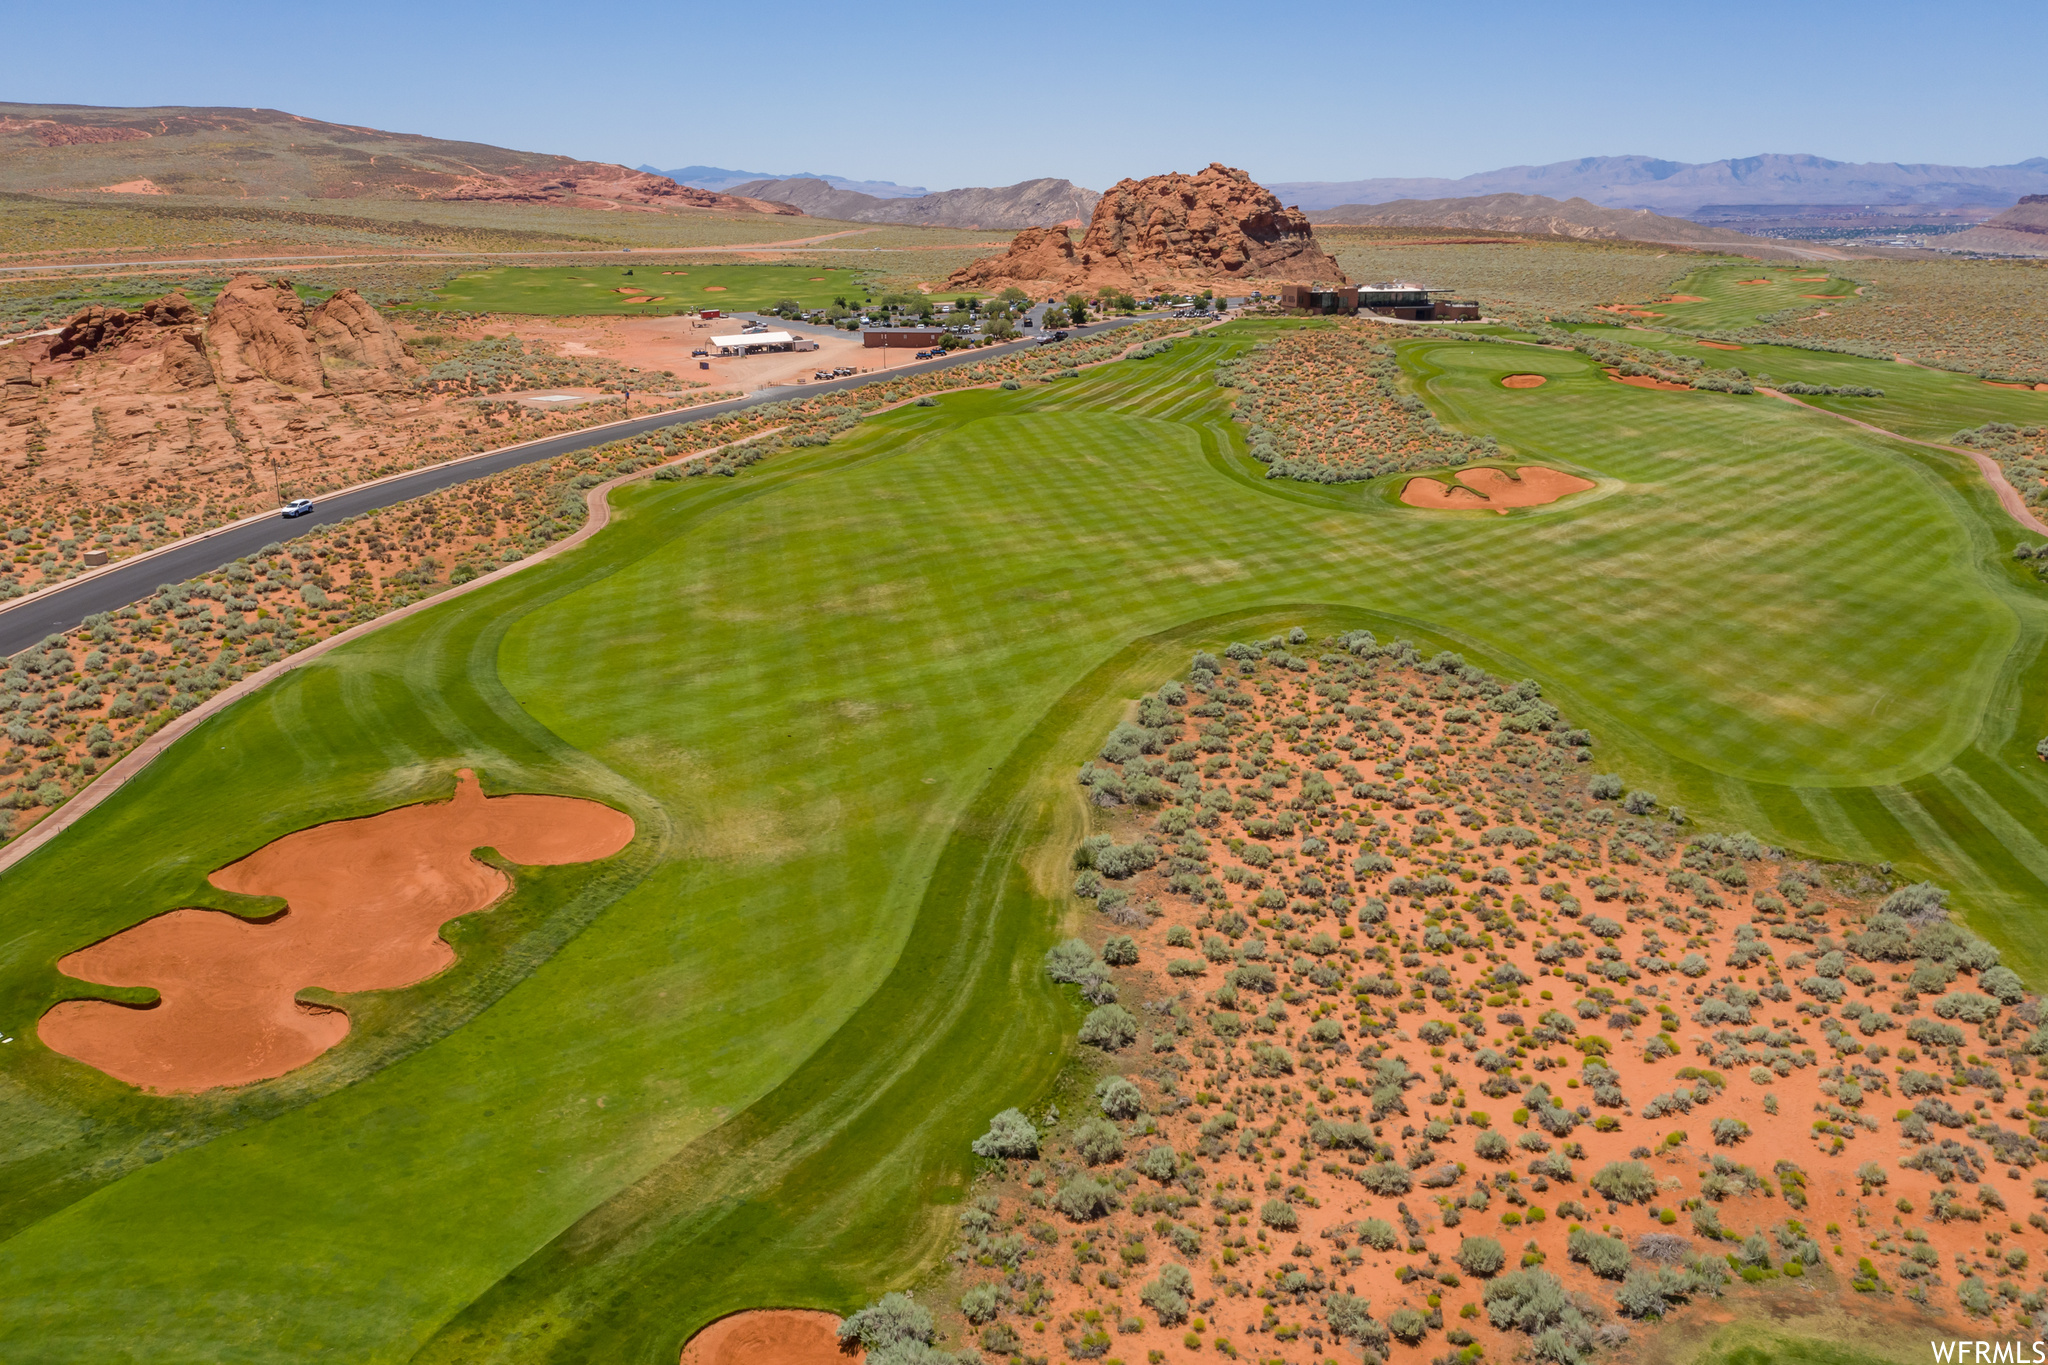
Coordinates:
(593,184)
(359,352)
(1038,255)
(1216,225)
(258,331)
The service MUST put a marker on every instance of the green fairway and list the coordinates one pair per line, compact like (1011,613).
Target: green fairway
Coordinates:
(843,696)
(658,285)
(1729,297)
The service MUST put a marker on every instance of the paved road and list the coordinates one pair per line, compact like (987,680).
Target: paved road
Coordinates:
(27,621)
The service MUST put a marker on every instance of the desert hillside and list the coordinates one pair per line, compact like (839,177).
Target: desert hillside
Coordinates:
(1029,203)
(1534,213)
(270,154)
(2021,230)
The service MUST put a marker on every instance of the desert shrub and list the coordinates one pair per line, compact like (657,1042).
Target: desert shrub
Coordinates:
(1069,962)
(1480,1256)
(1083,1198)
(1378,1234)
(1526,1301)
(1490,1147)
(1158,1162)
(1607,1257)
(1350,1318)
(1625,1182)
(983,1302)
(1387,1178)
(1407,1324)
(1097,1141)
(1605,787)
(1009,1135)
(892,1320)
(1110,1027)
(1279,1215)
(1120,951)
(1119,1098)
(1646,1293)
(1729,1131)
(1169,1295)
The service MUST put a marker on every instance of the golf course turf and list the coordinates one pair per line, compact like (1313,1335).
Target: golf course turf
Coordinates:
(842,698)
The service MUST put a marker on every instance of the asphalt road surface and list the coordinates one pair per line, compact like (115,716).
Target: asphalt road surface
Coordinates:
(28,620)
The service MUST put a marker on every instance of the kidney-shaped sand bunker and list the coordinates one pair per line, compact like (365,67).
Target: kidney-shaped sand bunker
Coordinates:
(365,901)
(1488,489)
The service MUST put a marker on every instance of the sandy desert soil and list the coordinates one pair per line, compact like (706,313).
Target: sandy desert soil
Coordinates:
(365,901)
(1401,977)
(770,1336)
(1495,490)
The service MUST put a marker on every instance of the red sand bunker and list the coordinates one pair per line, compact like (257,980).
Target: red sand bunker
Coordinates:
(365,901)
(1522,381)
(1686,298)
(770,1336)
(1644,381)
(1999,384)
(1720,345)
(1495,490)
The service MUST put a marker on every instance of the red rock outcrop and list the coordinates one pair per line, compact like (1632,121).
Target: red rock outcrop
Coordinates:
(1216,225)
(258,331)
(1039,255)
(358,350)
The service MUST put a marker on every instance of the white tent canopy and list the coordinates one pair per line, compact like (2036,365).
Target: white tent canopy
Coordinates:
(745,340)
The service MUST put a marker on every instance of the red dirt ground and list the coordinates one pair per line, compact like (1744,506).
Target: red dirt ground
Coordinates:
(1494,489)
(1523,381)
(1558,928)
(365,899)
(2029,387)
(770,1336)
(1643,381)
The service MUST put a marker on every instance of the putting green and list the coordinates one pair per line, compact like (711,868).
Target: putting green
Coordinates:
(843,697)
(1729,297)
(680,285)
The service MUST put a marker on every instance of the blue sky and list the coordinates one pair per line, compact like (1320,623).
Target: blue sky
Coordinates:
(976,94)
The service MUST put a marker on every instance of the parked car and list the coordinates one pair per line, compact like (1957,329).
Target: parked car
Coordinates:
(297,507)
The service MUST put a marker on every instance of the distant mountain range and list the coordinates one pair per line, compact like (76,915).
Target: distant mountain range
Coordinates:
(1030,203)
(1680,187)
(720,179)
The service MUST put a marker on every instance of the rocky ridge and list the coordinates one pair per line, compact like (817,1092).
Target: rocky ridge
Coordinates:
(1218,224)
